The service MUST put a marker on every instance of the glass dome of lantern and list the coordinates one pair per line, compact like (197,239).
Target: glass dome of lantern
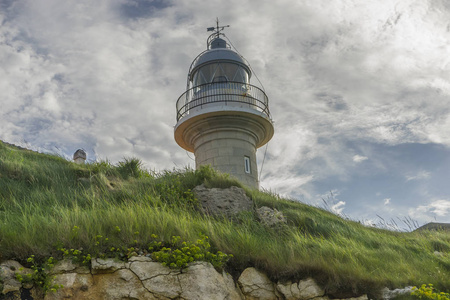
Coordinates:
(218,64)
(220,76)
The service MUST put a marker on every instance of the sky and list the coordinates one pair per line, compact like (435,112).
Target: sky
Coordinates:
(359,91)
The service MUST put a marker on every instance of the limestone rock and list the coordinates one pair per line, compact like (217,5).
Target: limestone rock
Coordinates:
(156,278)
(74,286)
(141,278)
(270,217)
(67,266)
(309,289)
(148,269)
(256,285)
(165,286)
(107,265)
(228,202)
(289,290)
(63,266)
(305,289)
(122,284)
(202,281)
(139,258)
(8,270)
(389,294)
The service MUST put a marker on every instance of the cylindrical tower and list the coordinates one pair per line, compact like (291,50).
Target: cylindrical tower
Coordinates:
(221,117)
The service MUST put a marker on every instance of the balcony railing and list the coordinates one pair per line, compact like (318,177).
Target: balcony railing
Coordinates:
(235,94)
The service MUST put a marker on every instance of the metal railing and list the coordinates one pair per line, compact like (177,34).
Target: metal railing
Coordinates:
(222,93)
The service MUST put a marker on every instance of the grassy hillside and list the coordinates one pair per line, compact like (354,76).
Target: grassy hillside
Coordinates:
(48,203)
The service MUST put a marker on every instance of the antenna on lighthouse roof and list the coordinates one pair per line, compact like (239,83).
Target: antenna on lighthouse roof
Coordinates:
(216,30)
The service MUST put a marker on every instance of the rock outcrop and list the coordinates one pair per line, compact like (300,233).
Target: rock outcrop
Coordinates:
(270,217)
(139,278)
(304,289)
(142,278)
(226,202)
(256,285)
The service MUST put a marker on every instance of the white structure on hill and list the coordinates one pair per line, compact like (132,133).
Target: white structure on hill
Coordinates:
(79,156)
(221,117)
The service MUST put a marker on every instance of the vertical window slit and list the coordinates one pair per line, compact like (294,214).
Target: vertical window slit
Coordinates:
(247,164)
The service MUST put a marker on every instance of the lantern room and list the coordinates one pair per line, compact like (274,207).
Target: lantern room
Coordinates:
(218,64)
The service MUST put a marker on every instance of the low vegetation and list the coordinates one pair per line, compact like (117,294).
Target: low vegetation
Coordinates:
(50,207)
(427,291)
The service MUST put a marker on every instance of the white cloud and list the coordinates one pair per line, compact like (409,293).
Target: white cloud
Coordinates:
(437,208)
(419,176)
(359,158)
(292,186)
(330,201)
(338,207)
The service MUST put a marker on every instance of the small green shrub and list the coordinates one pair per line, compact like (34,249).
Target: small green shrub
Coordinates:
(39,275)
(174,253)
(179,254)
(428,292)
(76,255)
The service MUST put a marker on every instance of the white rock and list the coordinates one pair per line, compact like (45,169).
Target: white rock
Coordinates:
(202,282)
(67,266)
(256,285)
(8,271)
(63,266)
(148,269)
(139,258)
(74,286)
(227,202)
(122,284)
(308,289)
(289,290)
(270,217)
(107,265)
(164,285)
(389,294)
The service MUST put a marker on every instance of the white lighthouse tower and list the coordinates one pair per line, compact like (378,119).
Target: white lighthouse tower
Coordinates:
(221,117)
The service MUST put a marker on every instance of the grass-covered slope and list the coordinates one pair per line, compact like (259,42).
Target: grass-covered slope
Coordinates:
(43,198)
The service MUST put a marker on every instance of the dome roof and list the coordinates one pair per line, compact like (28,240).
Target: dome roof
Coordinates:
(218,52)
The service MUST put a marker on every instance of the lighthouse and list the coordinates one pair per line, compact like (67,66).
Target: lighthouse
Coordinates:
(221,117)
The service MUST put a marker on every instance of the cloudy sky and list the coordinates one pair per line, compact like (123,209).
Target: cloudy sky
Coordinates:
(359,91)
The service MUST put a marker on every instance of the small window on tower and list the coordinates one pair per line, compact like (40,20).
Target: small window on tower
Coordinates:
(247,164)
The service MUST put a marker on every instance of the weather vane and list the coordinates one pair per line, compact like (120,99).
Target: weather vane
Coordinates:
(217,29)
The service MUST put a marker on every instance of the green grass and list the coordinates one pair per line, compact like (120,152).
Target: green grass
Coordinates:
(42,198)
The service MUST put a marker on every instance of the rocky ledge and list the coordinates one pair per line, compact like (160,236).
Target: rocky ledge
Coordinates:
(142,278)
